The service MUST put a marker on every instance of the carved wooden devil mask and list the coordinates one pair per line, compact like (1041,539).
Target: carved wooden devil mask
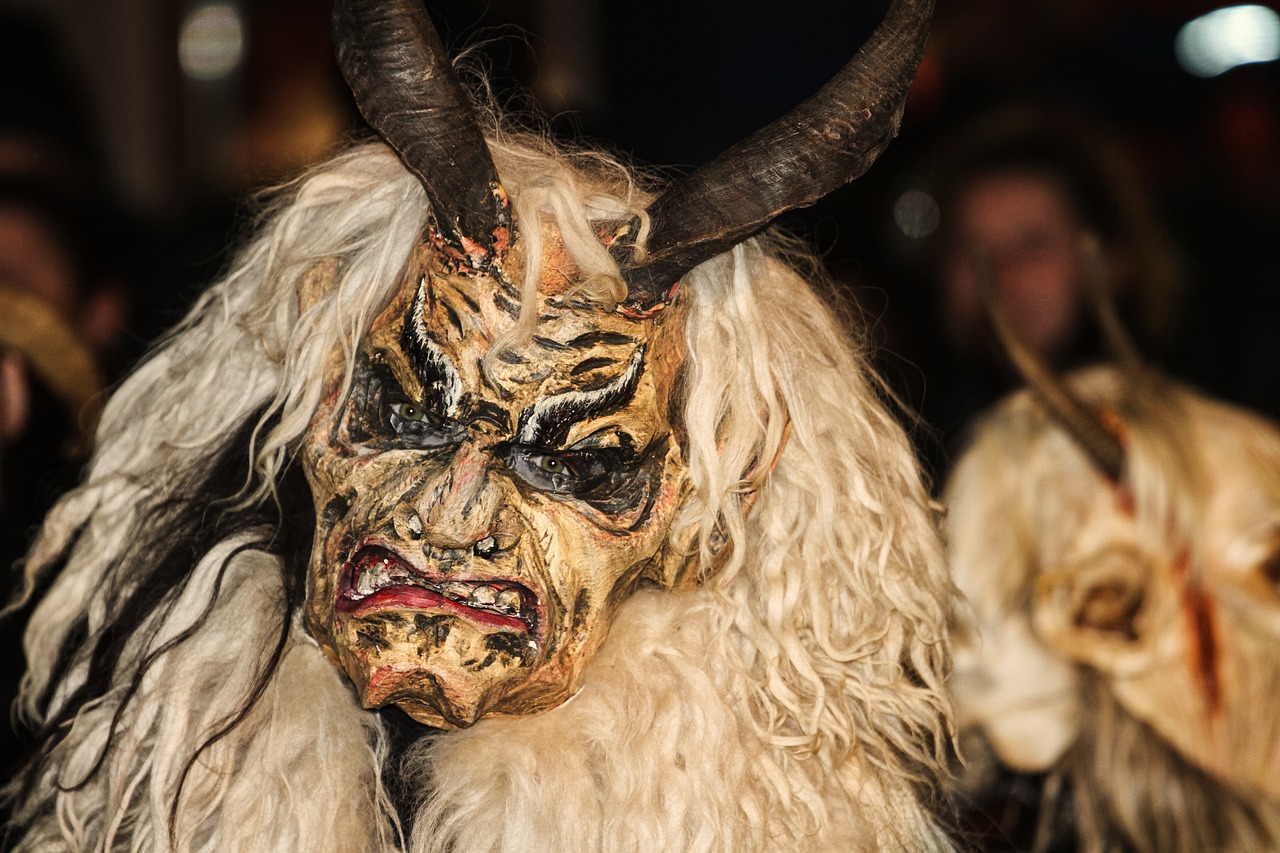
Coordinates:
(480,521)
(483,510)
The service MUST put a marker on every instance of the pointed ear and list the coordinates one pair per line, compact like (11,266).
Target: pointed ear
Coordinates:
(315,283)
(1096,611)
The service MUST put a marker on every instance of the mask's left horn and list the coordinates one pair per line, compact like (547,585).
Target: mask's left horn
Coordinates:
(405,87)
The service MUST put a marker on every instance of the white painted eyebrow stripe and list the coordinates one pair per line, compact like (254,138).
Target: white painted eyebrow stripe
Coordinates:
(532,426)
(449,387)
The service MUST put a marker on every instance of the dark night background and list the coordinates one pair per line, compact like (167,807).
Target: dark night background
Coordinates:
(670,84)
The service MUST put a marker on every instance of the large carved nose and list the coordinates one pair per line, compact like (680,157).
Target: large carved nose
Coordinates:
(459,509)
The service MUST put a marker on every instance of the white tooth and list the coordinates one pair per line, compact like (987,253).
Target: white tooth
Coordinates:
(483,596)
(365,584)
(457,591)
(509,600)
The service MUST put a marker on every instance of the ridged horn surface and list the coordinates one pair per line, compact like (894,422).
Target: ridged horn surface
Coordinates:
(826,142)
(1102,300)
(1103,447)
(405,87)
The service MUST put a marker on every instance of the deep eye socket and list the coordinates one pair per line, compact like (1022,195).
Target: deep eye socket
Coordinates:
(408,412)
(382,415)
(549,463)
(414,426)
(562,472)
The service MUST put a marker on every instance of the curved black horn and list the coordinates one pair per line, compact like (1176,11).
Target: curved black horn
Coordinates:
(405,87)
(1101,445)
(821,145)
(1102,300)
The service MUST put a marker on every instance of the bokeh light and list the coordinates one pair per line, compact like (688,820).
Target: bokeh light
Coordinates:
(211,41)
(1225,38)
(916,214)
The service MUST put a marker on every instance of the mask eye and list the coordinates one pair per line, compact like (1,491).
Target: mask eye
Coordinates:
(383,416)
(564,472)
(414,426)
(407,412)
(548,464)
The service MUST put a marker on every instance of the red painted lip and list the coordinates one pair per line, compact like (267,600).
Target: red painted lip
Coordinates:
(371,556)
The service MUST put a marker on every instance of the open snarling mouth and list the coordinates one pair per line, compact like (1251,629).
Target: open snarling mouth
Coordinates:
(376,578)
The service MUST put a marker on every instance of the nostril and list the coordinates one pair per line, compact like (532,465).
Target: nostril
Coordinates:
(494,544)
(408,524)
(486,547)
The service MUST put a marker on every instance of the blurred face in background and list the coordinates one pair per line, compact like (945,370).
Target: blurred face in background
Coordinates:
(32,262)
(1024,223)
(36,262)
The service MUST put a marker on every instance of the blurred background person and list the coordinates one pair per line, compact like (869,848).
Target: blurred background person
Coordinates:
(63,243)
(1023,191)
(64,299)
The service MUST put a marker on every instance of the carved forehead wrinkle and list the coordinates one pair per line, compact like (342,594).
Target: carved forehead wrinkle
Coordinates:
(458,337)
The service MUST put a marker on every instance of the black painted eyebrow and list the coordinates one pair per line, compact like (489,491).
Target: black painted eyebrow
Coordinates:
(438,375)
(547,422)
(585,341)
(591,339)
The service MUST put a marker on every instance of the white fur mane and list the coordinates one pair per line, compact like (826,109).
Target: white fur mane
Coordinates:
(1018,500)
(794,701)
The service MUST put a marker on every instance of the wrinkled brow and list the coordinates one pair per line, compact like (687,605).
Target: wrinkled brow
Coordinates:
(547,422)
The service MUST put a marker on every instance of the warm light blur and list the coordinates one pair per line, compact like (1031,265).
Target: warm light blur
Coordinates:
(1222,39)
(211,42)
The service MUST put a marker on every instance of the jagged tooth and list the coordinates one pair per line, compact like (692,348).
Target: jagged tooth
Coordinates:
(509,600)
(365,584)
(483,596)
(457,590)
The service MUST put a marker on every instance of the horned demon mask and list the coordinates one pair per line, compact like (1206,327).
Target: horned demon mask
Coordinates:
(482,511)
(1141,553)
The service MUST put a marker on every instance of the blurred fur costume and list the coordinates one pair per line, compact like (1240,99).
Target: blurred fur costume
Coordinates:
(791,698)
(1128,628)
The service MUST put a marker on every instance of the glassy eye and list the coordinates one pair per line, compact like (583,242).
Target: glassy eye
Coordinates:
(564,472)
(413,425)
(550,464)
(407,412)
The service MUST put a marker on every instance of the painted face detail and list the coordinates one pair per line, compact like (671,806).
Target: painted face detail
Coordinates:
(477,528)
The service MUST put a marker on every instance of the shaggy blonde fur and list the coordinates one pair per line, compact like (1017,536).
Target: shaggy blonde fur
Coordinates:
(1202,476)
(794,701)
